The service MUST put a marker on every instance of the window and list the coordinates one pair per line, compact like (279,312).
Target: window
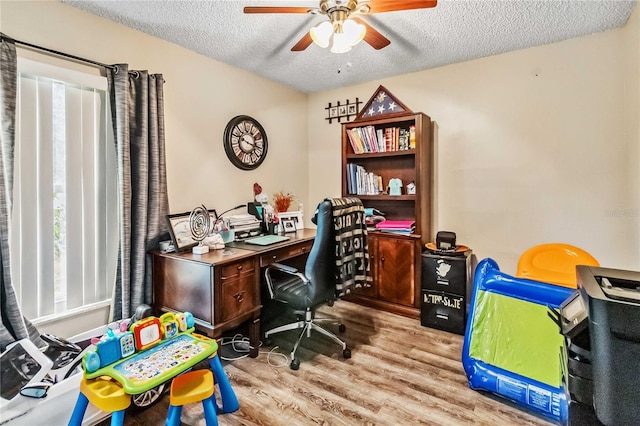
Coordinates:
(64,231)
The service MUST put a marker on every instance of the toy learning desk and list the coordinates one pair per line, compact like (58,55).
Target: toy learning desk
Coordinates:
(149,368)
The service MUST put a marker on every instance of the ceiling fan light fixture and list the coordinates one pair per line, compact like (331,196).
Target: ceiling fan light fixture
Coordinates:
(321,34)
(340,43)
(354,31)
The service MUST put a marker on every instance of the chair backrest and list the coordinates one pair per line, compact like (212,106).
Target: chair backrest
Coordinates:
(320,268)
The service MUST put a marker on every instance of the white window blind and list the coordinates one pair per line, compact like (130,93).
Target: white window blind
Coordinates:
(64,231)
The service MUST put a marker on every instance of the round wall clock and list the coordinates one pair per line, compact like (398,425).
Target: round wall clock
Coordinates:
(245,142)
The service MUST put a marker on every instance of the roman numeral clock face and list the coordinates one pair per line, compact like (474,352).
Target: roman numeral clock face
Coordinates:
(245,142)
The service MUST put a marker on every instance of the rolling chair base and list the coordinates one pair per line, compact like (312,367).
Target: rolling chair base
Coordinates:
(309,323)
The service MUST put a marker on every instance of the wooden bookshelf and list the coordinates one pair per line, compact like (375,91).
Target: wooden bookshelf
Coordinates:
(395,258)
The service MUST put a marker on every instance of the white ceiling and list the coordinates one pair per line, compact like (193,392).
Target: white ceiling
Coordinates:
(453,31)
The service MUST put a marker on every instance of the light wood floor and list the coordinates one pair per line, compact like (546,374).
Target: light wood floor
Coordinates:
(400,373)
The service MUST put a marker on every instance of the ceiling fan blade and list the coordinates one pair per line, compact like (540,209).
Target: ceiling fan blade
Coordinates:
(372,36)
(378,6)
(303,43)
(275,9)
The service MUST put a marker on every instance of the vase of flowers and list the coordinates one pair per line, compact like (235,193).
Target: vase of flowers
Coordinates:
(282,201)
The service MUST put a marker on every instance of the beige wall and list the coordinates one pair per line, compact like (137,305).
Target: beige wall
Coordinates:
(534,146)
(201,96)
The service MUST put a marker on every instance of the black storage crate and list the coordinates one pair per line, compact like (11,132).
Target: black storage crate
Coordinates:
(446,290)
(444,311)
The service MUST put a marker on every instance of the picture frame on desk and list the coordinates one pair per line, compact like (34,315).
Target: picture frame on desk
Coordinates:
(296,216)
(180,230)
(288,225)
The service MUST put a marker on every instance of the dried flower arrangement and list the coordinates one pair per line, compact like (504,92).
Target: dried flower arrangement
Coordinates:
(282,201)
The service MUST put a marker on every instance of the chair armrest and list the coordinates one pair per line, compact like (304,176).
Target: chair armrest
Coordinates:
(282,268)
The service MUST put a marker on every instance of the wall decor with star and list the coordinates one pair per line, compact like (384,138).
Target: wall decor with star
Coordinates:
(382,103)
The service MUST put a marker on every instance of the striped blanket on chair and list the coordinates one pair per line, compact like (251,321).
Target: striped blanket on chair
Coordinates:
(352,253)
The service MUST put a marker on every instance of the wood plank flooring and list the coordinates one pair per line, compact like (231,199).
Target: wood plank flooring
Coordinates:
(400,373)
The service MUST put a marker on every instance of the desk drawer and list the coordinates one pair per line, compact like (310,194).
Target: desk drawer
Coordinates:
(444,311)
(238,296)
(284,254)
(234,270)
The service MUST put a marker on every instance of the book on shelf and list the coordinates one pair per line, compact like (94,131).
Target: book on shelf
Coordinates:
(396,231)
(388,139)
(412,137)
(403,139)
(380,140)
(396,224)
(352,141)
(356,142)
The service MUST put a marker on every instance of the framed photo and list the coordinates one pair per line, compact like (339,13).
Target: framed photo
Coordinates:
(351,109)
(296,216)
(180,229)
(342,110)
(288,225)
(333,112)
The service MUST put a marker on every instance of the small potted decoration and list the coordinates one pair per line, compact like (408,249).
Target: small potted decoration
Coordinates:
(282,201)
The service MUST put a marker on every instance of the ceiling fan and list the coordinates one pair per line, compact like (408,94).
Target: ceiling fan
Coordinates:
(344,29)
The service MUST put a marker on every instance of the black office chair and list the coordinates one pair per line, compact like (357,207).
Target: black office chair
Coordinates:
(304,292)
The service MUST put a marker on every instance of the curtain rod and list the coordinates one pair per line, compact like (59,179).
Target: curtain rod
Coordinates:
(66,55)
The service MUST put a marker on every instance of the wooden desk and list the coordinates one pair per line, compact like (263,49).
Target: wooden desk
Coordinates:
(221,288)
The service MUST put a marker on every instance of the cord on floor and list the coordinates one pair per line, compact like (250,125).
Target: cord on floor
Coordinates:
(240,345)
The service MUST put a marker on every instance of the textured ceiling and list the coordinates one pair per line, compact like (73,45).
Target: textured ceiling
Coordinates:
(453,31)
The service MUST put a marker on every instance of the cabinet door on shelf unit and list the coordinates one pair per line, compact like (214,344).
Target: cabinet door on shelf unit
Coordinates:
(395,267)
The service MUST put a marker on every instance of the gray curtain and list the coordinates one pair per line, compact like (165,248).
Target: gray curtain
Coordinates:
(138,120)
(14,325)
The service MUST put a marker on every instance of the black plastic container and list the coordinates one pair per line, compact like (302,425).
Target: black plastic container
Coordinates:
(613,300)
(446,288)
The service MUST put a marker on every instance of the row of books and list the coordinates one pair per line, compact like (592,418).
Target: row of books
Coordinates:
(368,139)
(361,182)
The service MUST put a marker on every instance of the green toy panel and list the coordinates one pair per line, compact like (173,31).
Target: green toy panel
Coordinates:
(516,335)
(149,368)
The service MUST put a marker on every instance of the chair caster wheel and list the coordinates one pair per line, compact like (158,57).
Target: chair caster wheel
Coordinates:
(341,328)
(267,341)
(295,363)
(346,353)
